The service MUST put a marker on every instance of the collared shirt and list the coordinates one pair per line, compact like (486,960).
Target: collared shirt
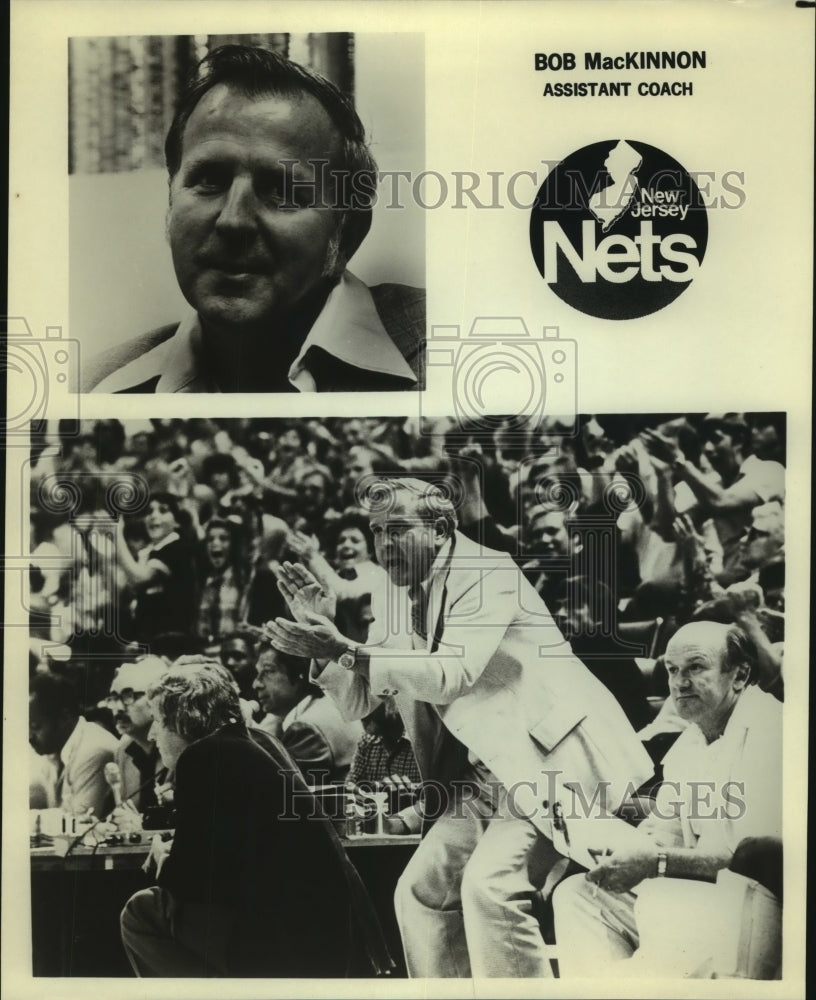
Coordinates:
(66,756)
(426,592)
(147,763)
(374,760)
(172,537)
(720,792)
(74,778)
(348,329)
(221,605)
(487,783)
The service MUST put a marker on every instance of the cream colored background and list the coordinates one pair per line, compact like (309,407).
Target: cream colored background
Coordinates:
(738,339)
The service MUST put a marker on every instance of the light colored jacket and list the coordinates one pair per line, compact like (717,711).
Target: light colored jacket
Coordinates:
(501,678)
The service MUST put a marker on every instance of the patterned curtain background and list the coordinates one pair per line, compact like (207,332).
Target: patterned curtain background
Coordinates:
(123,91)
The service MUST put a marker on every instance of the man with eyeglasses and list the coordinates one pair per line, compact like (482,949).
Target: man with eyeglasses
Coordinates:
(137,755)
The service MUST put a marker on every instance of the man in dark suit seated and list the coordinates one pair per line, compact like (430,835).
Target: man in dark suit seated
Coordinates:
(271,191)
(241,891)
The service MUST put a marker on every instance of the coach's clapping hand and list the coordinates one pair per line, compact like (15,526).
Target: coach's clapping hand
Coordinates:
(316,637)
(304,593)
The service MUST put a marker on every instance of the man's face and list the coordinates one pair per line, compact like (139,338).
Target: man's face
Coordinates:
(406,546)
(549,536)
(170,745)
(46,734)
(765,539)
(718,447)
(276,693)
(235,657)
(358,464)
(312,493)
(288,445)
(766,443)
(248,244)
(353,432)
(131,712)
(701,691)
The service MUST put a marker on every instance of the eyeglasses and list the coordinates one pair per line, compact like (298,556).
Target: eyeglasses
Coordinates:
(126,697)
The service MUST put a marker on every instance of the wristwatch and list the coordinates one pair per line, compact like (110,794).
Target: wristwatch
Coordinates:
(662,862)
(348,659)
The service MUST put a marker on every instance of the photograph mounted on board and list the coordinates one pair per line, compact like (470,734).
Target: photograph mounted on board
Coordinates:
(220,186)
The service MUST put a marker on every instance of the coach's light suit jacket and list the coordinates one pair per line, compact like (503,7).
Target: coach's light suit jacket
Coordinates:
(499,675)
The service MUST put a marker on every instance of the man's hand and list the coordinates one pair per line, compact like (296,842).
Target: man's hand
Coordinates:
(316,638)
(304,594)
(126,818)
(399,783)
(165,793)
(302,545)
(664,449)
(744,597)
(688,537)
(624,868)
(159,851)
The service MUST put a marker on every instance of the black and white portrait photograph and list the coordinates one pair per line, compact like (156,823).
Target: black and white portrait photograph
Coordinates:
(220,187)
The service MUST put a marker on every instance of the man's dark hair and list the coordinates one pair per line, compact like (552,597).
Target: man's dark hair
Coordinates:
(732,424)
(56,694)
(740,651)
(219,462)
(256,73)
(296,668)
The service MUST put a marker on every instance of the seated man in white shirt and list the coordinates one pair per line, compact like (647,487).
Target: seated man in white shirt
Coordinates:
(271,191)
(73,751)
(723,783)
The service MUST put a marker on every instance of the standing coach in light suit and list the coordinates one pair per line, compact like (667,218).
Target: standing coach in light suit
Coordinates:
(481,705)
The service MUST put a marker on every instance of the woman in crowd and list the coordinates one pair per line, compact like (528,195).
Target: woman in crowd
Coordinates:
(163,578)
(221,607)
(353,573)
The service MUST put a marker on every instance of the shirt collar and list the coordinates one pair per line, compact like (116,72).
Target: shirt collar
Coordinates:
(73,741)
(738,721)
(348,328)
(436,566)
(172,537)
(751,462)
(295,713)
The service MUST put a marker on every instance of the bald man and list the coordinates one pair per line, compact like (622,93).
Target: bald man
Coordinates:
(722,783)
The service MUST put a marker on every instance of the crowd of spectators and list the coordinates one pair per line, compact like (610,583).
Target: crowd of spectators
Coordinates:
(157,544)
(164,536)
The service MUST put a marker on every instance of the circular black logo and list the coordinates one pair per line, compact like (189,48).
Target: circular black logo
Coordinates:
(618,229)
